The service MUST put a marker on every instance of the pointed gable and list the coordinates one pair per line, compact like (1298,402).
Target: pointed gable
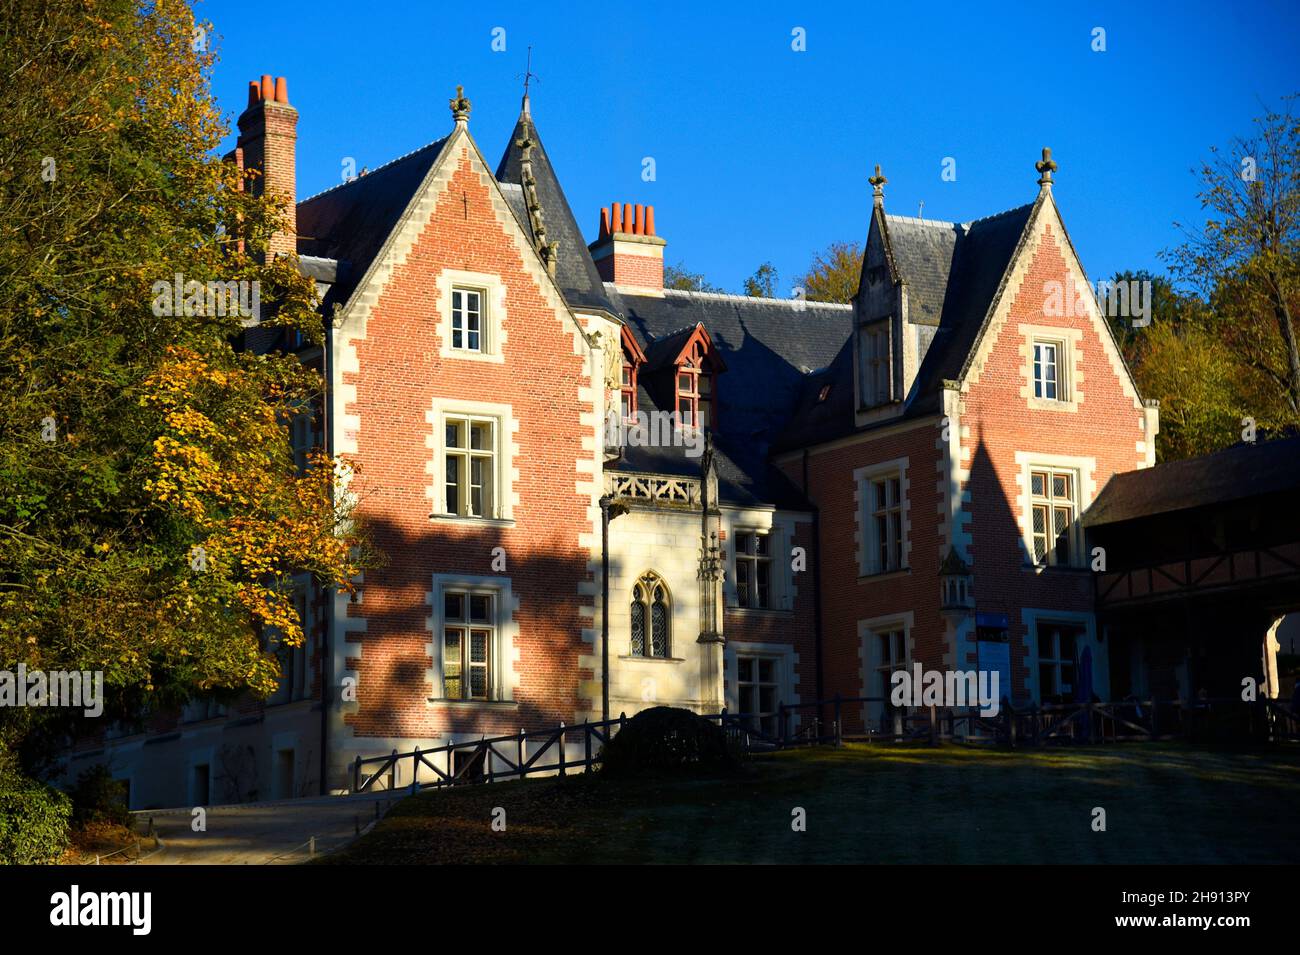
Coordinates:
(350,222)
(575,272)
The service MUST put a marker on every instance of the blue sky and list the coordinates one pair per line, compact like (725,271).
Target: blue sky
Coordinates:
(762,152)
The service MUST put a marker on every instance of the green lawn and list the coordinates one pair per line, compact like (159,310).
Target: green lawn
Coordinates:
(878,803)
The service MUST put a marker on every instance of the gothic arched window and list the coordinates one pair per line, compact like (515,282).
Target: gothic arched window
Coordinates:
(650,617)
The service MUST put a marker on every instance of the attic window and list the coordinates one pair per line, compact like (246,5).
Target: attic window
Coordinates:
(627,399)
(695,389)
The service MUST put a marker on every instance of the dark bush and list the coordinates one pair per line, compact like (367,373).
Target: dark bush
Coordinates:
(667,739)
(97,797)
(33,820)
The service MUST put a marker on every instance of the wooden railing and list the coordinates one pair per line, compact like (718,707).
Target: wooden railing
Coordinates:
(554,752)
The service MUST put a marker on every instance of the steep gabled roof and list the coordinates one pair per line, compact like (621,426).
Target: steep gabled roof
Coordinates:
(953,273)
(575,272)
(351,222)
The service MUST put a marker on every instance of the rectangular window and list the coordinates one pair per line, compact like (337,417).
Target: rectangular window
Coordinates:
(1054,503)
(1058,649)
(889,655)
(753,570)
(468,640)
(467,319)
(1047,383)
(887,523)
(627,392)
(877,386)
(470,458)
(757,688)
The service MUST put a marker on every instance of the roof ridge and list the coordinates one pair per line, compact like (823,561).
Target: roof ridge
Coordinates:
(377,169)
(914,219)
(731,296)
(998,215)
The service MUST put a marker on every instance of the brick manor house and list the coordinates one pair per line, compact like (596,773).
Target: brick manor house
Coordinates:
(840,491)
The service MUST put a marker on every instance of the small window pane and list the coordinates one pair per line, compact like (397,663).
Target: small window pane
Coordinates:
(1038,483)
(638,626)
(454,434)
(478,608)
(453,606)
(766,670)
(745,669)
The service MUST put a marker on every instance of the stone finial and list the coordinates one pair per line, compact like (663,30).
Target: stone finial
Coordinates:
(460,106)
(877,187)
(1045,167)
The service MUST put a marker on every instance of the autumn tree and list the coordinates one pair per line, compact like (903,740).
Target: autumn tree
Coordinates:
(1245,258)
(152,517)
(834,274)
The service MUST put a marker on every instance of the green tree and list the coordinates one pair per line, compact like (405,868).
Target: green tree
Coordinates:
(834,273)
(762,284)
(683,279)
(151,514)
(1245,258)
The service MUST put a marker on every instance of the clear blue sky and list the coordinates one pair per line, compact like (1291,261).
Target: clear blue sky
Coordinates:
(762,153)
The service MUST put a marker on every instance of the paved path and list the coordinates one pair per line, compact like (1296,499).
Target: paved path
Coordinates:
(260,833)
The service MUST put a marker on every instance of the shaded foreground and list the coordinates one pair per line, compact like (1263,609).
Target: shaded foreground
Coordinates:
(1164,803)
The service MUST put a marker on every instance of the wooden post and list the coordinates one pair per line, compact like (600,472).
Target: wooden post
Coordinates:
(561,741)
(356,775)
(783,731)
(415,771)
(839,724)
(586,738)
(523,754)
(487,758)
(392,772)
(311,847)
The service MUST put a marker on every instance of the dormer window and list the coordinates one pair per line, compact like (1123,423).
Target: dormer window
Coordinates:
(633,357)
(877,364)
(695,389)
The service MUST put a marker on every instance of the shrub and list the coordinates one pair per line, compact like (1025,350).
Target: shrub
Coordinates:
(33,820)
(98,797)
(666,739)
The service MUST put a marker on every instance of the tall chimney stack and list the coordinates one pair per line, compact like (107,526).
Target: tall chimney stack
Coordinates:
(627,252)
(268,137)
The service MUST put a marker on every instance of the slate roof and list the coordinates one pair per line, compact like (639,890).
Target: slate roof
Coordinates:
(953,272)
(351,222)
(1244,470)
(575,272)
(768,346)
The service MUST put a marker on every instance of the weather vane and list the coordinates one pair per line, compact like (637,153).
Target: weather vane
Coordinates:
(529,75)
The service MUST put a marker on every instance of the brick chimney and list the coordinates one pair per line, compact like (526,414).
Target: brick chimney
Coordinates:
(628,253)
(267,143)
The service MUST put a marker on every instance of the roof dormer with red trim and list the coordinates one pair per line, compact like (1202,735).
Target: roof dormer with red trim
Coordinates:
(681,370)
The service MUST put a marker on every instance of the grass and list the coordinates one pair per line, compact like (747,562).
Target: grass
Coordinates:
(878,803)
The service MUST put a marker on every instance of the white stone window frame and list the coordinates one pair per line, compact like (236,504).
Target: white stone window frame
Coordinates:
(492,318)
(1069,366)
(787,661)
(775,580)
(505,454)
(869,633)
(780,529)
(1085,490)
(868,546)
(503,653)
(1032,618)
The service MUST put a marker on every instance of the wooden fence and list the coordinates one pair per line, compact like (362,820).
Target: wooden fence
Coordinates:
(556,752)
